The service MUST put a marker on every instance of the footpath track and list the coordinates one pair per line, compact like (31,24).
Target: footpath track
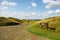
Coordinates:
(18,32)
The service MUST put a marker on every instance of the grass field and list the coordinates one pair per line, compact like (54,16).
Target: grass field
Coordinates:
(44,33)
(53,22)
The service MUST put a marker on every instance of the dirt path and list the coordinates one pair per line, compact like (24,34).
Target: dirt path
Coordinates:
(18,32)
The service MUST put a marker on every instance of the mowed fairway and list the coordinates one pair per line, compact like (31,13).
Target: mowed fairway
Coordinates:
(18,32)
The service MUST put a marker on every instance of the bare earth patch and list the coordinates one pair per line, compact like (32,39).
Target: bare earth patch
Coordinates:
(18,32)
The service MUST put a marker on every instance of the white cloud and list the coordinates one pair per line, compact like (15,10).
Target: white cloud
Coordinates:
(31,15)
(13,13)
(34,4)
(47,1)
(12,3)
(34,13)
(50,12)
(52,3)
(57,11)
(21,15)
(49,6)
(8,14)
(44,15)
(5,4)
(3,8)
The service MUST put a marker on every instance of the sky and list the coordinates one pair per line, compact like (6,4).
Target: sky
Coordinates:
(29,9)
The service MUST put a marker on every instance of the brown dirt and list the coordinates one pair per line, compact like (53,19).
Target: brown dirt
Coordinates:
(18,32)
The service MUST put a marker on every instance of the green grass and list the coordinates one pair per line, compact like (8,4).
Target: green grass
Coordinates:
(44,33)
(53,22)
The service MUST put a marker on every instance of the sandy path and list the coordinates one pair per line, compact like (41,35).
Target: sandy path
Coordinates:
(18,32)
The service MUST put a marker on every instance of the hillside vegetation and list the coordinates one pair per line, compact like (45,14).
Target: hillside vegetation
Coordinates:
(8,21)
(14,21)
(54,22)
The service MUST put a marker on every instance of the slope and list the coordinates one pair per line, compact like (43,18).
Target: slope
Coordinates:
(54,22)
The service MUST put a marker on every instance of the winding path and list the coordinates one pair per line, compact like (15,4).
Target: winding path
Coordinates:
(18,32)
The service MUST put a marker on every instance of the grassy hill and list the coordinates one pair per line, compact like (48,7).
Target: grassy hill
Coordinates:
(8,21)
(54,22)
(13,21)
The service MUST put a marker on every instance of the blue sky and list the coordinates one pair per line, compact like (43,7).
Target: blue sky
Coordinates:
(29,9)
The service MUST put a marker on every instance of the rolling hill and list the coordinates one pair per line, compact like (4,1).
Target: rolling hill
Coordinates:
(54,22)
(8,21)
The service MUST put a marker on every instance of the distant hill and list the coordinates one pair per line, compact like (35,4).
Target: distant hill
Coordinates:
(8,21)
